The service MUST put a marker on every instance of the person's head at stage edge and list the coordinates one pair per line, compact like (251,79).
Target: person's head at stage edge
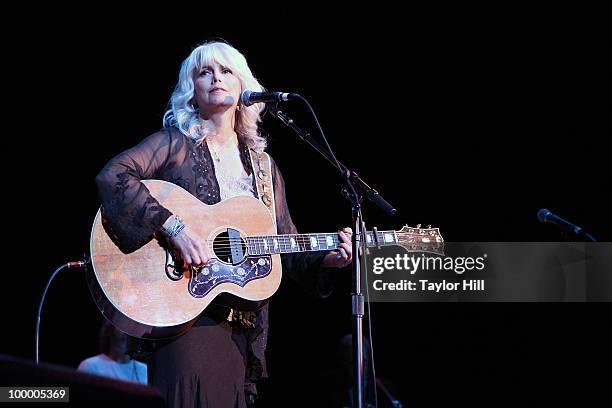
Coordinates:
(113,342)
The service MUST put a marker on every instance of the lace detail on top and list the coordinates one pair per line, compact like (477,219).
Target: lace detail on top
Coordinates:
(231,174)
(232,187)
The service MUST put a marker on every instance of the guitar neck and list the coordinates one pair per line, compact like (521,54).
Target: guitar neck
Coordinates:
(292,243)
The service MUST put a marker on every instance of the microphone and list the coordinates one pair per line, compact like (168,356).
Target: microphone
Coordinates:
(247,98)
(547,217)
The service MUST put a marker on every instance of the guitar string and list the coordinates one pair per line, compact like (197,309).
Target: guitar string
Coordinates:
(257,245)
(288,246)
(260,240)
(229,243)
(279,237)
(380,235)
(225,244)
(304,239)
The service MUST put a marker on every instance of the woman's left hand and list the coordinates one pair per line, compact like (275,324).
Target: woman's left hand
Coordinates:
(344,254)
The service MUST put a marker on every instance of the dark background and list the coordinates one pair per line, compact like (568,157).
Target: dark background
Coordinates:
(468,124)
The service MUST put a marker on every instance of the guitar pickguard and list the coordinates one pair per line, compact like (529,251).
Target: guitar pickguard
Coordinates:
(216,272)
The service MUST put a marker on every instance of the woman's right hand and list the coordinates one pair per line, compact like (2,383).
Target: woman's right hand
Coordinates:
(191,247)
(188,243)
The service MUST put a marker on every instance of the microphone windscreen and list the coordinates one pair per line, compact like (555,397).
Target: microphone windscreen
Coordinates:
(244,97)
(543,214)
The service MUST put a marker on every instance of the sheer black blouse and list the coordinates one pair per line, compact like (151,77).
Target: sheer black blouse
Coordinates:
(131,215)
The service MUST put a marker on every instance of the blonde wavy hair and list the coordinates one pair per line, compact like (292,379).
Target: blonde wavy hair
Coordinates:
(185,115)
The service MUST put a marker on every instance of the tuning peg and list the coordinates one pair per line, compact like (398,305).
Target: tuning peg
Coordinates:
(428,226)
(418,226)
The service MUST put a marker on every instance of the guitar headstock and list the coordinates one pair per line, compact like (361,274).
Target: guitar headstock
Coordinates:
(417,239)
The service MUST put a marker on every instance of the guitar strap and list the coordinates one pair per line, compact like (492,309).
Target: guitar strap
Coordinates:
(262,166)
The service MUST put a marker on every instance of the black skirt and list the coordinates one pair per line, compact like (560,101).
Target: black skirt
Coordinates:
(205,367)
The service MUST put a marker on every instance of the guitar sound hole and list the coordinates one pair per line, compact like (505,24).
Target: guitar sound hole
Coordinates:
(229,247)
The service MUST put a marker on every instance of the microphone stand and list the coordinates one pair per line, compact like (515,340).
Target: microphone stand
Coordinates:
(354,192)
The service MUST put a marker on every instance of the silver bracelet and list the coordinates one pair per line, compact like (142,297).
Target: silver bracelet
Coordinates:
(176,228)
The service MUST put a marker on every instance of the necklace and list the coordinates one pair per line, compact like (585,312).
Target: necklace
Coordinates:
(215,153)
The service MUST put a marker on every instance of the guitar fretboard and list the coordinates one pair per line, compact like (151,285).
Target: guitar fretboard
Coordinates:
(290,243)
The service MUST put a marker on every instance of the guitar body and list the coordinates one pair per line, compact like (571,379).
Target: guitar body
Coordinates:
(146,295)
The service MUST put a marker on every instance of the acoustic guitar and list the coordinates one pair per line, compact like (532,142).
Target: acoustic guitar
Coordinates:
(151,293)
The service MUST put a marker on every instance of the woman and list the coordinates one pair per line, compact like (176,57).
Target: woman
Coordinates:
(206,147)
